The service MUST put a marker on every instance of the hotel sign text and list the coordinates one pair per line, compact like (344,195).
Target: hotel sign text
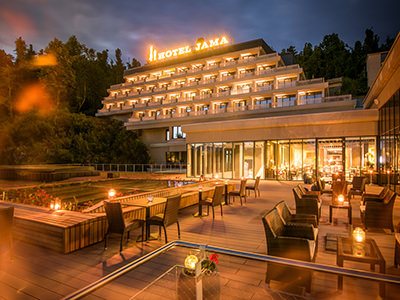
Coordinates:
(154,55)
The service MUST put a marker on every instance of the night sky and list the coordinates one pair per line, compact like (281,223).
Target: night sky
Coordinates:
(132,25)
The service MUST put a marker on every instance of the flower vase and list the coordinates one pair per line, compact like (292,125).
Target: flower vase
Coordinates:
(187,286)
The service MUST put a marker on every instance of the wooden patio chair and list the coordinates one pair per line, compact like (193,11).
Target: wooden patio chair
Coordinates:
(215,200)
(168,217)
(254,187)
(358,186)
(117,223)
(241,193)
(6,228)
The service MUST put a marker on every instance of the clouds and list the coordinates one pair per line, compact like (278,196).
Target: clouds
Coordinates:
(133,25)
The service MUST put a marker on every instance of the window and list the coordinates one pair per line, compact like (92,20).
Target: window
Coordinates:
(177,133)
(167,135)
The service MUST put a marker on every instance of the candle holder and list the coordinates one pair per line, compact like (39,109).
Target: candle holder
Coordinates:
(370,176)
(111,193)
(358,241)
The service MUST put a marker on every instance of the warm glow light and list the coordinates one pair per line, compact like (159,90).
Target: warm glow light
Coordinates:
(51,206)
(191,261)
(34,96)
(111,193)
(341,198)
(201,44)
(45,60)
(370,171)
(359,235)
(57,206)
(388,171)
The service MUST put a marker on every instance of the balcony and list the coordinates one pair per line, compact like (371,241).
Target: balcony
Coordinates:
(268,87)
(245,75)
(283,103)
(255,107)
(198,113)
(203,96)
(309,101)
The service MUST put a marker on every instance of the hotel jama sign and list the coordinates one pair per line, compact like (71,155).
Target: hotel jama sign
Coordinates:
(201,45)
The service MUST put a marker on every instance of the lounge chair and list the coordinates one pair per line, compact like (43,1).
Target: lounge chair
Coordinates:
(379,214)
(289,217)
(294,242)
(307,203)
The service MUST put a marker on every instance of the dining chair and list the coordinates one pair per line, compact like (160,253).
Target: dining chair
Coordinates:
(168,217)
(215,200)
(117,223)
(254,187)
(241,193)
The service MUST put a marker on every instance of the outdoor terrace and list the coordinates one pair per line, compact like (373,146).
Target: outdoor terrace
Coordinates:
(37,273)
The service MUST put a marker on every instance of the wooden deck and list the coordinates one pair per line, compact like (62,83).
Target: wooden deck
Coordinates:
(39,273)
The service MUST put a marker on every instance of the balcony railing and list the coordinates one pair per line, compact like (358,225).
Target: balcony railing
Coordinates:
(248,107)
(223,78)
(309,101)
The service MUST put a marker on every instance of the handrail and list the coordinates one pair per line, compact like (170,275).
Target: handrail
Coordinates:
(267,258)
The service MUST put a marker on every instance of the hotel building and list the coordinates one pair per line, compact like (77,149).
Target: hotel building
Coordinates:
(236,110)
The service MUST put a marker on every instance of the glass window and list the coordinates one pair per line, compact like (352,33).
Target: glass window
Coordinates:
(167,135)
(353,156)
(309,158)
(228,159)
(248,160)
(283,160)
(259,159)
(296,160)
(330,157)
(207,160)
(217,158)
(177,133)
(270,160)
(237,160)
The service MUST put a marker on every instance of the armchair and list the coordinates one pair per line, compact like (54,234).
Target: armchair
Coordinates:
(289,217)
(307,203)
(292,242)
(379,214)
(358,187)
(374,197)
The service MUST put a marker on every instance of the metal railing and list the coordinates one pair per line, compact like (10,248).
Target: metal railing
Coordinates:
(140,168)
(242,254)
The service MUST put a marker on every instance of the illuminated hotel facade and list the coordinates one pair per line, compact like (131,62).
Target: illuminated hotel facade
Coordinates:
(237,110)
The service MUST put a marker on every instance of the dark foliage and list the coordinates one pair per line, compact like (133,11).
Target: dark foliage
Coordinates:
(62,97)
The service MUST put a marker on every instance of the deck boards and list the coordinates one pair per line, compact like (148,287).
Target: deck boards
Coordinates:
(39,273)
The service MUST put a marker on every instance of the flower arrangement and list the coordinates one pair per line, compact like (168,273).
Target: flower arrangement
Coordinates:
(208,266)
